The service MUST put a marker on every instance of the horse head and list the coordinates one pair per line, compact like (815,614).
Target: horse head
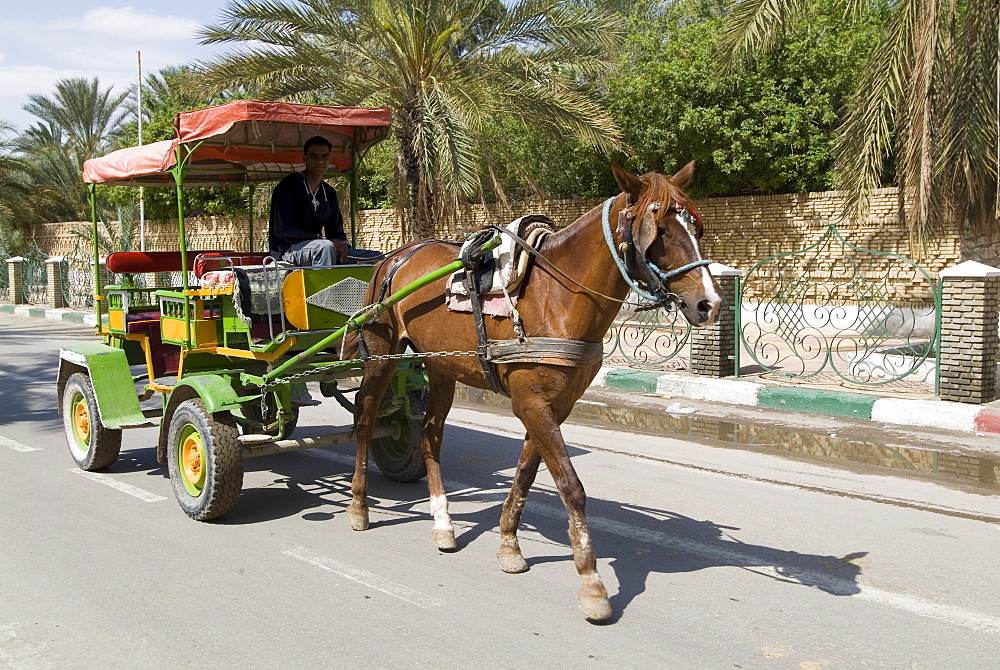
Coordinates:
(661,232)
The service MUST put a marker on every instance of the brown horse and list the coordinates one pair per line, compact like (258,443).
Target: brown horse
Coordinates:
(575,301)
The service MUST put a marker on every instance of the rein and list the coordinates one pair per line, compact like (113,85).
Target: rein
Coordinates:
(657,296)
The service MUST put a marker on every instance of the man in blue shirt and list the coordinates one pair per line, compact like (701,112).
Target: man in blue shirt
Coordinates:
(303,209)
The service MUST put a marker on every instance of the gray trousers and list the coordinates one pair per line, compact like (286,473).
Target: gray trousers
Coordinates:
(311,252)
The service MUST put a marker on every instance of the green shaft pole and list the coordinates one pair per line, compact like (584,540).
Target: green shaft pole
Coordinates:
(375,312)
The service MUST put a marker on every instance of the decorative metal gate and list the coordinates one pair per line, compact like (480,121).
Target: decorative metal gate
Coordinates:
(646,337)
(34,279)
(866,317)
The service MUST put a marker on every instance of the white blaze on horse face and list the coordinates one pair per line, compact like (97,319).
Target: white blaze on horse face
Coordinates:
(706,277)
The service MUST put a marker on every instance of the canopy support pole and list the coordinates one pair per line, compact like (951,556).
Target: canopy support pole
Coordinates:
(92,192)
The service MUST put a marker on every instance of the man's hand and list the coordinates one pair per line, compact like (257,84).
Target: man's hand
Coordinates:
(341,250)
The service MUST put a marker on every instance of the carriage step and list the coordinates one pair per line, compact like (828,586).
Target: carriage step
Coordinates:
(255,439)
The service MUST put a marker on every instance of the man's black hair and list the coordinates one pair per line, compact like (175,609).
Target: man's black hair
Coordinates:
(316,139)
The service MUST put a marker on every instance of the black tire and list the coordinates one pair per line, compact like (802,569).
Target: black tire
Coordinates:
(92,445)
(401,458)
(204,460)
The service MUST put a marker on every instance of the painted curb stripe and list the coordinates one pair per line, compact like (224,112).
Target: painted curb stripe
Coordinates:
(632,380)
(833,403)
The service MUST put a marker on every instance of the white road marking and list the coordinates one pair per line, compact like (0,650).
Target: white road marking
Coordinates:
(16,446)
(722,555)
(120,486)
(18,653)
(365,578)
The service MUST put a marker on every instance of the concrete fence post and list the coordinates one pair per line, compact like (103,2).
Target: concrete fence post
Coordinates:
(15,281)
(55,272)
(970,306)
(713,349)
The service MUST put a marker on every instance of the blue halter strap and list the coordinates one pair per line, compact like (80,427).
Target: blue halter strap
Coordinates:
(620,262)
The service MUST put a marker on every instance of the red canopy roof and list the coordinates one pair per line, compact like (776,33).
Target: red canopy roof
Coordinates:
(243,141)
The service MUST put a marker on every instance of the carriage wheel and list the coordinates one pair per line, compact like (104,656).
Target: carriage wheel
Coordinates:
(92,445)
(204,460)
(400,458)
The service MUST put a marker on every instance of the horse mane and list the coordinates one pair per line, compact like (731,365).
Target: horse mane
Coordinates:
(659,188)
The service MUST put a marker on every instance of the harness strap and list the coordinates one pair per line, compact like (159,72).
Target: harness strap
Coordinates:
(471,282)
(549,350)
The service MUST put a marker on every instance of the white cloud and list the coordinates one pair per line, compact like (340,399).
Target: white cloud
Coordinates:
(116,23)
(100,42)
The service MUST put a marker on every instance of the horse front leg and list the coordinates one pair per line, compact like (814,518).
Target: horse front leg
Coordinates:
(511,559)
(441,396)
(373,387)
(543,426)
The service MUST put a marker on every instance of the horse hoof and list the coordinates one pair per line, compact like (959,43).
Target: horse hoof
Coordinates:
(445,540)
(358,521)
(595,608)
(513,564)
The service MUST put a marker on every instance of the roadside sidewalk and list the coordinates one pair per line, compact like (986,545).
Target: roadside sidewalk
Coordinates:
(978,419)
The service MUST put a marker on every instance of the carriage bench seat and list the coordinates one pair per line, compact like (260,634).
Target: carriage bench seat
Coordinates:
(138,262)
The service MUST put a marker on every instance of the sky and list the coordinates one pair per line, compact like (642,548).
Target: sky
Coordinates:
(43,41)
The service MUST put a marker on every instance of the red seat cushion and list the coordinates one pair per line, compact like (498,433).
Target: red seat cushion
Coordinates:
(135,262)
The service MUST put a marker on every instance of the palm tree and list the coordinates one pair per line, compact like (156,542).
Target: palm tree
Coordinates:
(445,68)
(925,107)
(87,116)
(78,122)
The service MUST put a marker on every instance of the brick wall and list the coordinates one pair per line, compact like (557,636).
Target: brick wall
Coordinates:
(738,231)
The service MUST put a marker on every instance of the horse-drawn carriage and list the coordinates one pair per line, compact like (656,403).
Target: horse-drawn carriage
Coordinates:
(225,334)
(224,345)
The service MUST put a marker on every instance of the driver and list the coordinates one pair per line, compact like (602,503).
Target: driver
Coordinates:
(303,207)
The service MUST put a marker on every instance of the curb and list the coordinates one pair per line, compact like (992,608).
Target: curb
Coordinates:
(918,413)
(899,411)
(70,316)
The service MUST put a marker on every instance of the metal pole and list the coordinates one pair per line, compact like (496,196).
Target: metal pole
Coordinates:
(253,189)
(97,253)
(178,172)
(142,198)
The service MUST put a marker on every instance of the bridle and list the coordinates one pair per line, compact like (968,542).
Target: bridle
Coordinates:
(651,285)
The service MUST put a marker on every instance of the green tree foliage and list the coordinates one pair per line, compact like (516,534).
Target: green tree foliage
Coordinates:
(924,108)
(15,187)
(446,68)
(767,129)
(79,121)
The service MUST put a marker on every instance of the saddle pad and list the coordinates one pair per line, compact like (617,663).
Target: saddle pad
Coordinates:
(506,265)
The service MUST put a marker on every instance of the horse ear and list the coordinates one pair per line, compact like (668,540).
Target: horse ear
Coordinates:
(628,182)
(684,175)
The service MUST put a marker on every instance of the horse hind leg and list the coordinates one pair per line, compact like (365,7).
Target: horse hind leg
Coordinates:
(441,395)
(373,387)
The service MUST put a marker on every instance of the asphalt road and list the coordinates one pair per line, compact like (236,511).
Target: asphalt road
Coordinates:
(714,557)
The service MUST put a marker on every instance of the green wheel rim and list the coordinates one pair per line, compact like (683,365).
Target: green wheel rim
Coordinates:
(192,460)
(396,448)
(81,423)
